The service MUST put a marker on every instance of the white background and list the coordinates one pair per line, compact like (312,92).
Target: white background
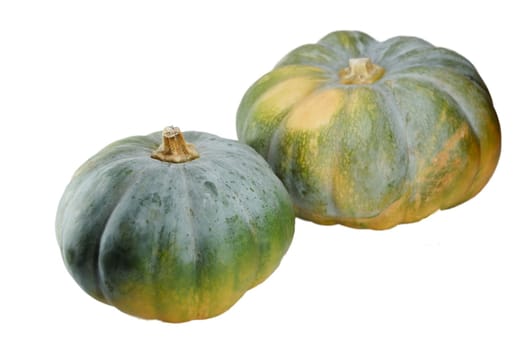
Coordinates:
(77,75)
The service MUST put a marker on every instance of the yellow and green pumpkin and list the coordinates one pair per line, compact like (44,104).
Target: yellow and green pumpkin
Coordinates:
(174,233)
(372,134)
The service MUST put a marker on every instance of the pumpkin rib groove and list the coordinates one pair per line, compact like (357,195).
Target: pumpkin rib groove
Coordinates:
(255,238)
(398,122)
(433,57)
(86,179)
(462,116)
(105,162)
(194,234)
(273,136)
(281,129)
(335,158)
(97,260)
(461,104)
(445,88)
(156,254)
(104,234)
(331,204)
(364,140)
(407,72)
(487,130)
(354,39)
(344,55)
(253,231)
(277,157)
(249,114)
(438,85)
(153,265)
(389,48)
(78,192)
(414,52)
(282,123)
(421,72)
(296,57)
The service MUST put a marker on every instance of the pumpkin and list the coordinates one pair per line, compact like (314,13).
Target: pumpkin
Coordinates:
(371,134)
(176,232)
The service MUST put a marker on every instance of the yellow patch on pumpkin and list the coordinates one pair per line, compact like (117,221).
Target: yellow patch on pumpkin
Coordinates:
(137,301)
(283,96)
(449,188)
(316,110)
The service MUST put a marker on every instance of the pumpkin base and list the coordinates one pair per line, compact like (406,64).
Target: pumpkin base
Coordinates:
(390,217)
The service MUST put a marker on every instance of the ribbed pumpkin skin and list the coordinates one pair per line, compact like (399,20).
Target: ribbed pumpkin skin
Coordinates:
(423,137)
(173,242)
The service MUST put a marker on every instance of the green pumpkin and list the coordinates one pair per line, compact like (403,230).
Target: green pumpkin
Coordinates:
(178,234)
(372,134)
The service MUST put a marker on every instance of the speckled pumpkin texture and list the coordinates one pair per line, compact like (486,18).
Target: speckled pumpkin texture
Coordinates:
(425,136)
(173,242)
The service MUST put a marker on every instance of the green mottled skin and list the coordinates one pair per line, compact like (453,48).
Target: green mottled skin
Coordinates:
(170,241)
(423,137)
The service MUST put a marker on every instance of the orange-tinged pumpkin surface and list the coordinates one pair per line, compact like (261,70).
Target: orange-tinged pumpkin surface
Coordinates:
(372,134)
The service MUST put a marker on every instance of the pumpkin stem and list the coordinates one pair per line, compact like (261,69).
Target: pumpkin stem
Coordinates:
(174,148)
(361,71)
